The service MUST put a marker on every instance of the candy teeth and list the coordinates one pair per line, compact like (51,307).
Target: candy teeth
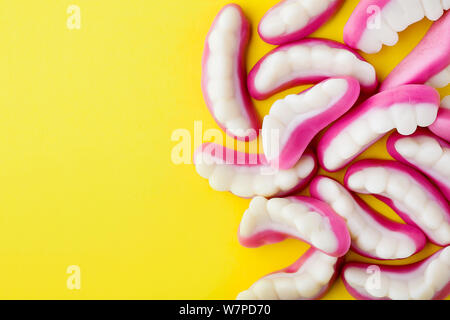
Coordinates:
(428,63)
(291,20)
(223,75)
(441,79)
(403,108)
(424,280)
(425,152)
(308,61)
(307,219)
(368,30)
(248,175)
(308,278)
(442,123)
(294,121)
(419,203)
(373,235)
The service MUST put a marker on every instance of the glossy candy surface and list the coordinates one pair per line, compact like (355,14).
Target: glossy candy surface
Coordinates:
(412,196)
(248,175)
(308,278)
(375,23)
(303,218)
(291,20)
(373,235)
(404,108)
(428,63)
(425,152)
(294,121)
(308,61)
(224,74)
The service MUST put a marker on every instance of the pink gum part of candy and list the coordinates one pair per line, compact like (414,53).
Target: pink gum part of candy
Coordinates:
(337,223)
(430,57)
(245,101)
(312,79)
(237,158)
(394,137)
(416,176)
(441,127)
(400,269)
(407,93)
(411,232)
(356,24)
(304,133)
(312,26)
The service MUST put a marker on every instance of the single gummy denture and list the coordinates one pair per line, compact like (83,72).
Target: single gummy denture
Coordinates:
(308,61)
(373,235)
(425,152)
(294,121)
(403,108)
(441,127)
(428,63)
(224,74)
(248,175)
(308,278)
(424,280)
(303,218)
(377,22)
(413,197)
(291,20)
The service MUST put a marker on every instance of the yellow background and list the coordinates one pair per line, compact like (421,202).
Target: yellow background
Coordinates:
(86,176)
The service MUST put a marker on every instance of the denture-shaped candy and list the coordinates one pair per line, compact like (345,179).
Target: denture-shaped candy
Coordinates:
(407,192)
(291,20)
(224,74)
(403,108)
(294,121)
(441,127)
(428,63)
(373,235)
(248,175)
(377,22)
(303,218)
(424,280)
(308,278)
(425,152)
(308,61)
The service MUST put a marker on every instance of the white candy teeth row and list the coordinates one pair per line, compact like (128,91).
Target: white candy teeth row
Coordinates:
(303,59)
(367,234)
(395,17)
(247,182)
(427,153)
(222,85)
(307,282)
(286,114)
(292,15)
(288,217)
(420,284)
(373,125)
(441,79)
(407,195)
